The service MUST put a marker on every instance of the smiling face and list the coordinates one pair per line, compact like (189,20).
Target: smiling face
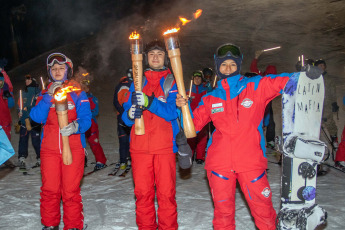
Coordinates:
(228,67)
(58,71)
(156,59)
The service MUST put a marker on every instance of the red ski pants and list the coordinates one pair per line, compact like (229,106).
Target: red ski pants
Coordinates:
(62,181)
(150,171)
(198,144)
(340,156)
(92,136)
(256,189)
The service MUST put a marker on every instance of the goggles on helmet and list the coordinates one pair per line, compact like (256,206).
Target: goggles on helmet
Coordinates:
(56,58)
(224,50)
(197,74)
(85,82)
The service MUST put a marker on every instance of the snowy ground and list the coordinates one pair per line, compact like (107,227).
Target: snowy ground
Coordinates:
(109,201)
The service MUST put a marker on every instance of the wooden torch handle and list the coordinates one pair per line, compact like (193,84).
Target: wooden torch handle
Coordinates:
(66,150)
(137,67)
(175,60)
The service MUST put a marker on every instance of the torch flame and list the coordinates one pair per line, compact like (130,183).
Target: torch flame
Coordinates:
(197,13)
(134,35)
(173,30)
(85,74)
(62,93)
(184,20)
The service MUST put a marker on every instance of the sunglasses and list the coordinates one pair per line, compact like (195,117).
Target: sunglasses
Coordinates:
(224,50)
(56,58)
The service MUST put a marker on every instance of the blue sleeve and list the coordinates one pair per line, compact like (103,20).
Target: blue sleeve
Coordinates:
(95,111)
(10,102)
(83,113)
(344,100)
(39,113)
(266,120)
(126,106)
(167,110)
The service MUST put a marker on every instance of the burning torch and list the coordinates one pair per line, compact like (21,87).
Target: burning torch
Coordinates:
(136,49)
(42,82)
(61,108)
(173,47)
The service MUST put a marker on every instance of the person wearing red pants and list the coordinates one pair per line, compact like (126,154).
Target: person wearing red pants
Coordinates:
(92,134)
(340,155)
(153,154)
(60,180)
(6,103)
(198,143)
(236,150)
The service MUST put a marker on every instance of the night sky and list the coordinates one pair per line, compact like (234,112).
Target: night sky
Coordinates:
(41,25)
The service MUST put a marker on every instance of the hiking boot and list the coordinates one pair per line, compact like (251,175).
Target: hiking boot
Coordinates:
(22,164)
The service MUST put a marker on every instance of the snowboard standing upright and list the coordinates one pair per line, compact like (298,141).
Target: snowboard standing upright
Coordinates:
(302,104)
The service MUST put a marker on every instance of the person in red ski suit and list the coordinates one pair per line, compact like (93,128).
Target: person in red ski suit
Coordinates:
(340,155)
(198,144)
(6,103)
(152,154)
(3,63)
(60,180)
(268,115)
(236,150)
(92,135)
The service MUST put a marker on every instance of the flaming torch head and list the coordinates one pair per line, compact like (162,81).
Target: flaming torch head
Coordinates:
(171,39)
(61,98)
(136,43)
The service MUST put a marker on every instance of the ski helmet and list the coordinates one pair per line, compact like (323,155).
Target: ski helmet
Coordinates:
(130,74)
(59,58)
(156,45)
(198,73)
(225,52)
(320,61)
(207,72)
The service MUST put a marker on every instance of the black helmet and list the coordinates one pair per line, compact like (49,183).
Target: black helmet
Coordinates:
(320,61)
(207,71)
(156,45)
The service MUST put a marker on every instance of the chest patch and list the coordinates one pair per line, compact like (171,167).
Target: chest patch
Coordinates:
(217,105)
(217,110)
(247,103)
(162,99)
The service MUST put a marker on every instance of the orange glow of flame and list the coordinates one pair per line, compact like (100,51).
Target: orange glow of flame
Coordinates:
(134,35)
(173,30)
(62,93)
(184,20)
(85,74)
(197,13)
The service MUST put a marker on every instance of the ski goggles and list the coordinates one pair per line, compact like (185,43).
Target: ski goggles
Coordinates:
(224,50)
(197,74)
(56,58)
(28,77)
(86,82)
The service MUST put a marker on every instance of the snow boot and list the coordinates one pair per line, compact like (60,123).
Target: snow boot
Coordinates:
(123,166)
(340,165)
(99,166)
(51,228)
(22,164)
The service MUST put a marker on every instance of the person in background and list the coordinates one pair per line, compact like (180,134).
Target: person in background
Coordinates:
(123,131)
(92,135)
(60,181)
(27,125)
(6,103)
(198,143)
(208,76)
(3,63)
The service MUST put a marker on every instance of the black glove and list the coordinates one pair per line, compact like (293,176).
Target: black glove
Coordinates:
(312,72)
(184,151)
(6,94)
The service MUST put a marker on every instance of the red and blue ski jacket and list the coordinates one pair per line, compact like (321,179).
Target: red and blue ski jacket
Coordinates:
(160,122)
(197,92)
(93,105)
(236,108)
(44,113)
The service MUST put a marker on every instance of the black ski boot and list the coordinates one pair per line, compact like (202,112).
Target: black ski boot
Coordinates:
(51,228)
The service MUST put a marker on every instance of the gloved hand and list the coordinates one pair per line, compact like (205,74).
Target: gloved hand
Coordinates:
(184,151)
(135,112)
(53,87)
(140,98)
(70,129)
(312,72)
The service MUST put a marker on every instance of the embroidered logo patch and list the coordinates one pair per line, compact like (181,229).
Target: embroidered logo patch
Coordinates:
(217,105)
(71,105)
(247,103)
(266,192)
(162,99)
(217,110)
